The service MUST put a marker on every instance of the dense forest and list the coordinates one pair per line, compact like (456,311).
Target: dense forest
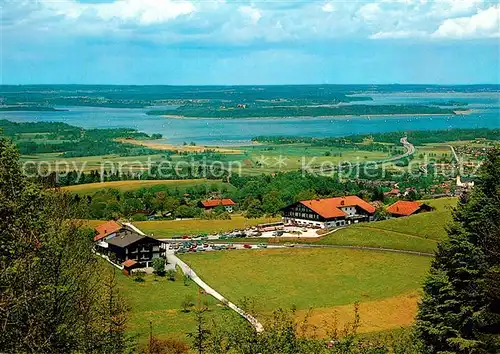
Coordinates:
(418,137)
(71,141)
(251,111)
(146,96)
(26,108)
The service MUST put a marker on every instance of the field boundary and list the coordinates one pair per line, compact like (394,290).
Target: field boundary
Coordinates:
(397,232)
(367,248)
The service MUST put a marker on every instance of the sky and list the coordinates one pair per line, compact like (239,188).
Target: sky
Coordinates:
(226,42)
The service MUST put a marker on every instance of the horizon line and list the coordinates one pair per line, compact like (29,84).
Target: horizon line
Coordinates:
(303,84)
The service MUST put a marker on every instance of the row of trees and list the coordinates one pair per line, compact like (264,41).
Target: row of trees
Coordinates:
(256,196)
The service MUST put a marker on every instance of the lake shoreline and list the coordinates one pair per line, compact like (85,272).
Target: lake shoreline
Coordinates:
(455,113)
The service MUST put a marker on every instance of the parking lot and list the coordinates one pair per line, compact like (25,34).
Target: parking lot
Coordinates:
(213,242)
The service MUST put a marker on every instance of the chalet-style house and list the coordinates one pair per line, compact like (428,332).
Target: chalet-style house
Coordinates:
(125,245)
(227,204)
(407,208)
(329,212)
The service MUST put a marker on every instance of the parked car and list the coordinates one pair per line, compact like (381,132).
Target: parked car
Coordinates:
(253,233)
(278,233)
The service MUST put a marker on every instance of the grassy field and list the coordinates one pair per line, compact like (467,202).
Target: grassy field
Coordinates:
(55,162)
(124,186)
(292,155)
(169,228)
(370,237)
(419,232)
(159,301)
(429,225)
(321,279)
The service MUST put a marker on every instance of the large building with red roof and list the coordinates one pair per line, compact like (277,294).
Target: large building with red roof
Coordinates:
(329,212)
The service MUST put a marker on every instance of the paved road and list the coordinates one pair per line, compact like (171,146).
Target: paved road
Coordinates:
(173,259)
(410,150)
(455,156)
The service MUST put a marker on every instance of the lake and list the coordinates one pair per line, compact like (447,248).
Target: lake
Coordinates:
(218,132)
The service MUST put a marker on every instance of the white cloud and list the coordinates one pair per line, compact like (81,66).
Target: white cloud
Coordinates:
(484,24)
(251,13)
(143,12)
(450,8)
(328,7)
(398,34)
(370,12)
(241,22)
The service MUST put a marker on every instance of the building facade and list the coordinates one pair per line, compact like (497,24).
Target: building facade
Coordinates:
(329,212)
(121,243)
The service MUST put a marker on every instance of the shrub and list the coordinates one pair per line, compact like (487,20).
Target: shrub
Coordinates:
(187,304)
(139,275)
(159,266)
(139,217)
(171,275)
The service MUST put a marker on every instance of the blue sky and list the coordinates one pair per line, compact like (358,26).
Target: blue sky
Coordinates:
(244,42)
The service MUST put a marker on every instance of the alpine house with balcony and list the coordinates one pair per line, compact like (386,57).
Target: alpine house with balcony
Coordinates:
(329,212)
(122,243)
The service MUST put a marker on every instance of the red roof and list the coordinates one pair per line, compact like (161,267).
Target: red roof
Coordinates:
(217,202)
(129,263)
(404,207)
(392,192)
(106,229)
(330,207)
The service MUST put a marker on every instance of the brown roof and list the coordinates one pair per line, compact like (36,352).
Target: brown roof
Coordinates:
(329,207)
(217,202)
(404,207)
(129,263)
(106,229)
(126,238)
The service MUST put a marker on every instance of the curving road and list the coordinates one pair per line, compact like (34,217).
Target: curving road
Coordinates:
(409,147)
(455,156)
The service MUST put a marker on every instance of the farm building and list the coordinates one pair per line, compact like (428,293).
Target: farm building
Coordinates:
(228,204)
(407,208)
(122,243)
(328,212)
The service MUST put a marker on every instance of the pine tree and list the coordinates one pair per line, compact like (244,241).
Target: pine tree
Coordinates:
(459,312)
(50,287)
